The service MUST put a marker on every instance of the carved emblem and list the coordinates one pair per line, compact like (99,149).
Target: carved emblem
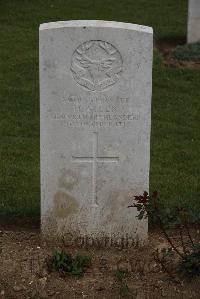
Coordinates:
(96,65)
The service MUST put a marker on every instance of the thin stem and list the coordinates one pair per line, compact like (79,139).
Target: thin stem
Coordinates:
(188,232)
(168,238)
(182,243)
(164,231)
(161,261)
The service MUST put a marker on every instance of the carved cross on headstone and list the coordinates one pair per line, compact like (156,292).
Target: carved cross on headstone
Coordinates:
(95,159)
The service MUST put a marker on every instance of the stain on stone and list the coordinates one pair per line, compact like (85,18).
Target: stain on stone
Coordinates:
(64,204)
(100,183)
(112,197)
(116,201)
(110,212)
(49,64)
(68,179)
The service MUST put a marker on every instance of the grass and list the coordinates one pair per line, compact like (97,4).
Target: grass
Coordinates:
(175,161)
(175,145)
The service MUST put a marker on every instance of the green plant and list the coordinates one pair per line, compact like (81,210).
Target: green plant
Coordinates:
(188,52)
(121,275)
(187,249)
(65,263)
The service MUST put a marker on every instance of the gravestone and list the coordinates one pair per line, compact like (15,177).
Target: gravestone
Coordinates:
(95,95)
(193,34)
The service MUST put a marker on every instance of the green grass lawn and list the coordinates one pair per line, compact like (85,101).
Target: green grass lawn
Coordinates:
(175,146)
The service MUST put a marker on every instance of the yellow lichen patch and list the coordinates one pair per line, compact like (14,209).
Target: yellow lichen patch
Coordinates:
(64,204)
(68,179)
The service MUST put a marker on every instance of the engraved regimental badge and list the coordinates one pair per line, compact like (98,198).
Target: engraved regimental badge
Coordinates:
(96,65)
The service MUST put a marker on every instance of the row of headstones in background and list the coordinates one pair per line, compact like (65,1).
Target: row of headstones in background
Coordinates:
(95,94)
(193,35)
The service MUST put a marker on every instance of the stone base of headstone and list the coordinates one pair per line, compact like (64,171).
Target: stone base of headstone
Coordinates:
(78,241)
(95,99)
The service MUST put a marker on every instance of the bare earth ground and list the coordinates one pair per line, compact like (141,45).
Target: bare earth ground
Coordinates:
(167,47)
(23,272)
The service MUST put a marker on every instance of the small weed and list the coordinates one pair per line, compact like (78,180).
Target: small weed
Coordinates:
(190,265)
(121,275)
(65,263)
(190,52)
(188,247)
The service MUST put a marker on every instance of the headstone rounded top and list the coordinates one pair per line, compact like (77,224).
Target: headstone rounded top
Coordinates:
(96,23)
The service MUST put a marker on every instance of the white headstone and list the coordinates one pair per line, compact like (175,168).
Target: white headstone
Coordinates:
(193,35)
(95,94)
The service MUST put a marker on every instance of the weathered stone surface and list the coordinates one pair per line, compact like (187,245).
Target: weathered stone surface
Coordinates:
(193,21)
(95,95)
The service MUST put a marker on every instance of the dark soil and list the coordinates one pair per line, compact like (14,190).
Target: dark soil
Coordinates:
(24,273)
(19,223)
(167,47)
